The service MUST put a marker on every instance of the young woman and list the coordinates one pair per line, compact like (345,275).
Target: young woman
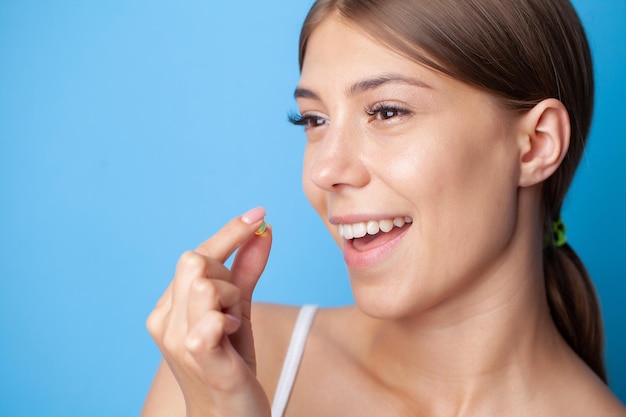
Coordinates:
(441,139)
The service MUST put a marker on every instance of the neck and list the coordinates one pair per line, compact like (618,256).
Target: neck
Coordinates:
(495,338)
(464,358)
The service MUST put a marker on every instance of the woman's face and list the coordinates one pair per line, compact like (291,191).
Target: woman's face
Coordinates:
(414,173)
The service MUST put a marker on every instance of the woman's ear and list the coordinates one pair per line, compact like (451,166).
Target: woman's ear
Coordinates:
(544,141)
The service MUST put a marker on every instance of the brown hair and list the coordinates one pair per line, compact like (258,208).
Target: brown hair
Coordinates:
(521,51)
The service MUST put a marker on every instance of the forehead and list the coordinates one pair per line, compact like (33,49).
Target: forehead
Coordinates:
(340,56)
(335,42)
(340,52)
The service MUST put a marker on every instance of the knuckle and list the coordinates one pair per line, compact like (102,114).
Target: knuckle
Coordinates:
(205,288)
(191,261)
(154,324)
(207,334)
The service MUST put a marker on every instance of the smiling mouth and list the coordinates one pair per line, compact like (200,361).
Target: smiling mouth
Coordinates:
(371,228)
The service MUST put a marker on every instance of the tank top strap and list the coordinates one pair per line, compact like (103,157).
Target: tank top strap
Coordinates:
(293,359)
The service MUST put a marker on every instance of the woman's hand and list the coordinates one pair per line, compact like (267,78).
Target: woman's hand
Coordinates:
(202,322)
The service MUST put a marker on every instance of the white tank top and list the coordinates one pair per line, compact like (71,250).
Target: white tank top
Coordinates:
(293,359)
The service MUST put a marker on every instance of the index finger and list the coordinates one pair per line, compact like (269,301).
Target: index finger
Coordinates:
(226,241)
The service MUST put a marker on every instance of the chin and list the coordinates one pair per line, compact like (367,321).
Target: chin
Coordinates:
(408,295)
(380,302)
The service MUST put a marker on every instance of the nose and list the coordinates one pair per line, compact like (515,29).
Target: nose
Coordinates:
(339,161)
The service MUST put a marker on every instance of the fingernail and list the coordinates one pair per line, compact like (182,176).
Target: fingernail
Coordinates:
(233,319)
(232,325)
(253,215)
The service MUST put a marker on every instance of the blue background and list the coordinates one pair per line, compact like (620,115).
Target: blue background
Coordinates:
(132,130)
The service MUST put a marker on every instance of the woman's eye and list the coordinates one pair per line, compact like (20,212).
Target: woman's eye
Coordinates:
(308,121)
(385,112)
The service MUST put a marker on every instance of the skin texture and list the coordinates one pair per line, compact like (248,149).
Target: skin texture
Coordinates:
(451,318)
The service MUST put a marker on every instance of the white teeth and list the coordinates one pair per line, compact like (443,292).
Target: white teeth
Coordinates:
(372,227)
(386,225)
(359,230)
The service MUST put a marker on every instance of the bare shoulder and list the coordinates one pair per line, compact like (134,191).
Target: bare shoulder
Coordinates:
(273,326)
(597,399)
(583,393)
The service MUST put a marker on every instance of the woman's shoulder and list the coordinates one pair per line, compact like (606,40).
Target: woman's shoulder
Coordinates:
(596,400)
(591,396)
(273,325)
(573,389)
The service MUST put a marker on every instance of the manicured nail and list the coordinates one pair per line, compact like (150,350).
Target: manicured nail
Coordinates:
(232,324)
(233,319)
(253,215)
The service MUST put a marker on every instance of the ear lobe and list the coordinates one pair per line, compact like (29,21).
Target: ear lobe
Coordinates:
(545,137)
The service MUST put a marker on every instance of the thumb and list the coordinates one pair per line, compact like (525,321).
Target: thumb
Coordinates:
(246,270)
(248,265)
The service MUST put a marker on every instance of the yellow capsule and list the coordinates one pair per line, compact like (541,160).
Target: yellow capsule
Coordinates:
(261,229)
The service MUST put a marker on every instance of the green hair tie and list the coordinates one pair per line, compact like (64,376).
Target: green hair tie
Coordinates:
(558,237)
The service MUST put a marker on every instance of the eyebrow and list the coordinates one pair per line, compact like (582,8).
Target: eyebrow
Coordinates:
(365,85)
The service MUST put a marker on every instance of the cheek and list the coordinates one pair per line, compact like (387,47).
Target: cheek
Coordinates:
(462,182)
(478,192)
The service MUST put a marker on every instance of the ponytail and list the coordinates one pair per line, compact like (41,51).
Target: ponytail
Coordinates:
(574,305)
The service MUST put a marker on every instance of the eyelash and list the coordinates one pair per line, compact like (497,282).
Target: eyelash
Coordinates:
(308,121)
(380,110)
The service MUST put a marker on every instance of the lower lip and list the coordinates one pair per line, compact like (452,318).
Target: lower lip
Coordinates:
(363,259)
